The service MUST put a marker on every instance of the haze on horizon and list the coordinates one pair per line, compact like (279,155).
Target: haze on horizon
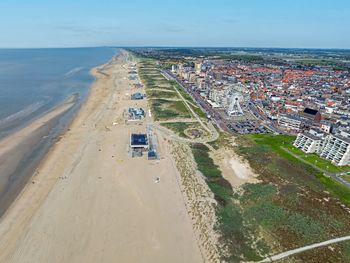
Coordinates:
(226,23)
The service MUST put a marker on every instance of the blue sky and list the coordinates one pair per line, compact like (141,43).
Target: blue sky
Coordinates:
(236,23)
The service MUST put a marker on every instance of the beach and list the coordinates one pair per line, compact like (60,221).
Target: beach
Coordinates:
(90,201)
(19,146)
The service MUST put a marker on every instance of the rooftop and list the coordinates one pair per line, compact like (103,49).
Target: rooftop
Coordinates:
(139,139)
(310,111)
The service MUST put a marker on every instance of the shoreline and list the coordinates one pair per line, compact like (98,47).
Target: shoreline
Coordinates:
(34,132)
(18,160)
(90,202)
(23,150)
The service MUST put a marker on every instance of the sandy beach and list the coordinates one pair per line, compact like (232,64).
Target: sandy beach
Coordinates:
(90,201)
(16,148)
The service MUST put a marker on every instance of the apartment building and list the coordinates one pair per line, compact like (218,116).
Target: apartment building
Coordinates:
(335,148)
(310,142)
(290,122)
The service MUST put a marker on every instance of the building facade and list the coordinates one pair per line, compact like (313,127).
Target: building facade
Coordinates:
(289,122)
(335,148)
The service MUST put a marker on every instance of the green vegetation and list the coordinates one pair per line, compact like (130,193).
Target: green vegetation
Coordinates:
(161,106)
(333,63)
(153,79)
(224,140)
(184,129)
(189,99)
(281,142)
(234,234)
(316,160)
(294,203)
(347,177)
(242,57)
(205,164)
(274,145)
(178,127)
(164,109)
(153,94)
(291,205)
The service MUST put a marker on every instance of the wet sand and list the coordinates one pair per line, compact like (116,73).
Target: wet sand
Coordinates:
(17,152)
(91,202)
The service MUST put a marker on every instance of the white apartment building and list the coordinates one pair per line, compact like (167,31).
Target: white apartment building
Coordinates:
(335,148)
(309,142)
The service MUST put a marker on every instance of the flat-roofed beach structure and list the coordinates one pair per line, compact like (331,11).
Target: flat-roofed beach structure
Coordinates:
(136,113)
(139,143)
(137,96)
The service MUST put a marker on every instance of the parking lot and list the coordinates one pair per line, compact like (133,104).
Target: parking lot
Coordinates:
(244,127)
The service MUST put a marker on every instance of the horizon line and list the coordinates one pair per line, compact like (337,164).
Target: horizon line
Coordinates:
(180,46)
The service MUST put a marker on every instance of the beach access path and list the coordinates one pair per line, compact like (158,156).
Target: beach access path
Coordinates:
(89,201)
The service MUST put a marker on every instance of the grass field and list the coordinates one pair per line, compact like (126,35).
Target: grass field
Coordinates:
(164,110)
(187,97)
(347,178)
(292,205)
(272,143)
(296,194)
(183,129)
(275,142)
(318,161)
(153,94)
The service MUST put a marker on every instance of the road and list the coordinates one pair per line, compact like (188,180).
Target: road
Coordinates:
(205,106)
(305,248)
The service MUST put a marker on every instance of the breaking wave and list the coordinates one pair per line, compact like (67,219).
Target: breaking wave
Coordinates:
(73,71)
(22,113)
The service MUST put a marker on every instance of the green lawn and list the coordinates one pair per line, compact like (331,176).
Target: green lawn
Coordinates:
(287,142)
(187,97)
(164,110)
(158,94)
(180,127)
(292,192)
(271,143)
(347,178)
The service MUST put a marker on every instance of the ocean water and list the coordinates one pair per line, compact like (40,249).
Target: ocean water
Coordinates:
(34,80)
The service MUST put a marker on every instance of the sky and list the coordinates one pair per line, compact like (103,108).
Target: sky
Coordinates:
(214,23)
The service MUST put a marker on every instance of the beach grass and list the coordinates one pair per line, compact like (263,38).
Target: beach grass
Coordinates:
(160,94)
(289,191)
(234,235)
(278,142)
(189,99)
(306,201)
(166,109)
(183,129)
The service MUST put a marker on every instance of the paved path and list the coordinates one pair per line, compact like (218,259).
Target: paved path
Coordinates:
(177,120)
(302,249)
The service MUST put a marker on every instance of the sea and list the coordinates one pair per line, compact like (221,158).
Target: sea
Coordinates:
(32,82)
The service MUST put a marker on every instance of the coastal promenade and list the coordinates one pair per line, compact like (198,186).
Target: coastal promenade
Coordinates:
(89,201)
